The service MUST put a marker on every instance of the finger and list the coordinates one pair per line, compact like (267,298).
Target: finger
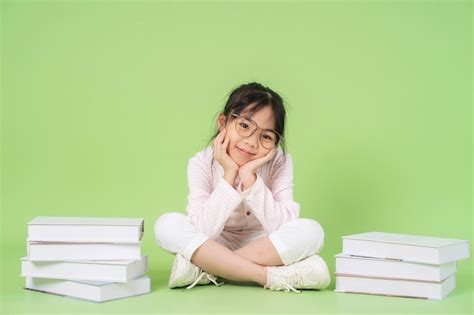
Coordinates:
(225,143)
(220,135)
(217,143)
(270,155)
(223,135)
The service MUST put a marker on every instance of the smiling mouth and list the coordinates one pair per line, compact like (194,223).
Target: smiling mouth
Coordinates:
(245,152)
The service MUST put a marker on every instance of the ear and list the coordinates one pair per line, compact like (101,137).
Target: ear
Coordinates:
(221,121)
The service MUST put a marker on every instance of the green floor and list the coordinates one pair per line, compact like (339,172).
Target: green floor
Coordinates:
(225,299)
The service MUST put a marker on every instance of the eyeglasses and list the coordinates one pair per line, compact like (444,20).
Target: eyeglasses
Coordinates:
(246,127)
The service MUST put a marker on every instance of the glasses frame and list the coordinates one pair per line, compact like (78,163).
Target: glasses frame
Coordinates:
(280,137)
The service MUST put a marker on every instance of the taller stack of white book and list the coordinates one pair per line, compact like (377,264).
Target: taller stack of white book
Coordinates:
(399,265)
(97,259)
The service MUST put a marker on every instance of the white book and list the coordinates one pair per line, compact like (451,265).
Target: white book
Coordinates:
(413,248)
(386,268)
(110,271)
(392,287)
(91,290)
(83,229)
(47,251)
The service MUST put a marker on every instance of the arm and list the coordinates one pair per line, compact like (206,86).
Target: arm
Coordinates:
(276,206)
(207,209)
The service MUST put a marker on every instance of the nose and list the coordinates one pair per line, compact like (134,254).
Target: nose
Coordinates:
(253,140)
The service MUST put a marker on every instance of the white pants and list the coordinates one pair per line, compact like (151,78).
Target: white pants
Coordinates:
(294,240)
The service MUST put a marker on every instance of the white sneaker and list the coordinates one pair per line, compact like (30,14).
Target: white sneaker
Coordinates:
(185,273)
(309,273)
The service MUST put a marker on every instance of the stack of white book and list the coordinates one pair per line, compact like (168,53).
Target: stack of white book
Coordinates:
(399,265)
(97,259)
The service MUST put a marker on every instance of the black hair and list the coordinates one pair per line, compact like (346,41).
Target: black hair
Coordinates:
(254,96)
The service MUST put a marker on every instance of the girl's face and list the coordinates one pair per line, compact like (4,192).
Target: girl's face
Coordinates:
(243,150)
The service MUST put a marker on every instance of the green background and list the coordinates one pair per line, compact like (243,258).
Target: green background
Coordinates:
(104,103)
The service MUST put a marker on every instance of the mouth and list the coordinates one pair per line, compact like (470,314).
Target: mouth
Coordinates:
(244,152)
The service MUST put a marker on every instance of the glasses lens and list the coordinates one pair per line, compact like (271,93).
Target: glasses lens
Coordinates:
(245,127)
(269,139)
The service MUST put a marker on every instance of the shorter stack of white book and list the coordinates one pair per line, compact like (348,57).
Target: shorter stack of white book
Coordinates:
(399,265)
(97,259)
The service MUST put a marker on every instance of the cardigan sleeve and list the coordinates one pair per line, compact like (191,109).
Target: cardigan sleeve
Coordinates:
(209,209)
(276,206)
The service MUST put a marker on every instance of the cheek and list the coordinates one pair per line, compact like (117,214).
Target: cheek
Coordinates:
(231,147)
(232,141)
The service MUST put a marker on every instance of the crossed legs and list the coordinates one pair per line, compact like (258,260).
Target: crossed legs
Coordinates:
(245,264)
(293,241)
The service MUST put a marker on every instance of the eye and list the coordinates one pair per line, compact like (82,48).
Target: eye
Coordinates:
(269,136)
(243,125)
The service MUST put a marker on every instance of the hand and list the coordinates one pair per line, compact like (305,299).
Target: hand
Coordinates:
(220,153)
(249,169)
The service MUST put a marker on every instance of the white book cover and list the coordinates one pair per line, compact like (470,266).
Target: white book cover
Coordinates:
(84,229)
(49,251)
(109,271)
(91,290)
(395,269)
(399,288)
(412,248)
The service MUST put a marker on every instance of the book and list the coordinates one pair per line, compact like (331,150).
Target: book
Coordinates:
(412,248)
(97,291)
(83,229)
(109,271)
(392,287)
(386,268)
(49,251)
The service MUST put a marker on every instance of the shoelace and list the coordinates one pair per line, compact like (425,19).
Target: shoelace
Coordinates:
(293,277)
(286,287)
(213,279)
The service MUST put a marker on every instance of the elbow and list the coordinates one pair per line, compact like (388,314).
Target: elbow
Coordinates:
(295,210)
(291,210)
(288,212)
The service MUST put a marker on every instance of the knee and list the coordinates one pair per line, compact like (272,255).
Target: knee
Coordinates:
(167,227)
(314,234)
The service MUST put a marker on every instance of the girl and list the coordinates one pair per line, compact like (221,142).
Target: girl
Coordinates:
(242,221)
